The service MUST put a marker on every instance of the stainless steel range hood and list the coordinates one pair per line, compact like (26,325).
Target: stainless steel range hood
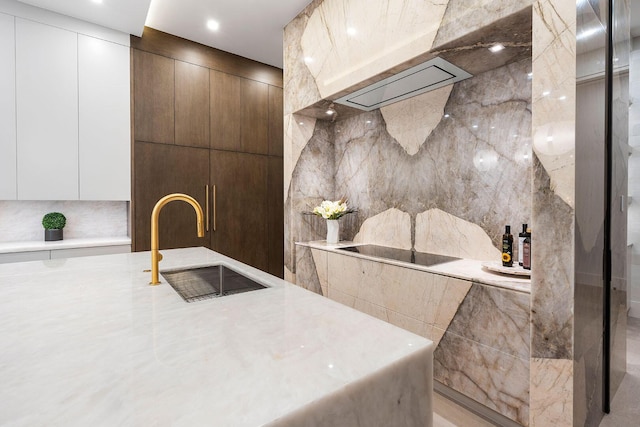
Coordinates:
(422,78)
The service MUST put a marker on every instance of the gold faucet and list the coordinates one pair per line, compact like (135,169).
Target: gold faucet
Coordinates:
(156,256)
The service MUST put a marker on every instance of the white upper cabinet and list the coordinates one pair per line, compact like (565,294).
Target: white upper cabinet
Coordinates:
(7,108)
(47,111)
(65,131)
(105,129)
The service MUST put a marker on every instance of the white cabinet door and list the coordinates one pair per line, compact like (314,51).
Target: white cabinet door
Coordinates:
(105,130)
(8,189)
(47,112)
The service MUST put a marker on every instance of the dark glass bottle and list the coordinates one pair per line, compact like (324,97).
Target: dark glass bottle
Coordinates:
(507,247)
(526,251)
(521,237)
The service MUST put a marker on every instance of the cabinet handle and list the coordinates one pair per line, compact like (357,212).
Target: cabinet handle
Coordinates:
(214,207)
(206,202)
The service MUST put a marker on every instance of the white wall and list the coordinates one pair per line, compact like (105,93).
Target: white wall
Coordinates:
(633,227)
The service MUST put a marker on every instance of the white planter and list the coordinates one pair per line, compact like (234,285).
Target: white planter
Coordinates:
(333,229)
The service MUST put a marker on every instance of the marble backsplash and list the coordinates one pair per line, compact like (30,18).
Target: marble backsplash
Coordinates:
(22,220)
(436,167)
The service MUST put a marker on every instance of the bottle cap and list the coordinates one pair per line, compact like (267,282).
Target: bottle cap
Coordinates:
(524,228)
(507,229)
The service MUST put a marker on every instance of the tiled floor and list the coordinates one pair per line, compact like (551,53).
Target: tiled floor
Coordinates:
(625,406)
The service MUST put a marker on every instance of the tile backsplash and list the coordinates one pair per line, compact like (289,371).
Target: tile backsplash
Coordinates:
(22,220)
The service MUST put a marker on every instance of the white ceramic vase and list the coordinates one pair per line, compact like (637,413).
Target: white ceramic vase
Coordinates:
(333,229)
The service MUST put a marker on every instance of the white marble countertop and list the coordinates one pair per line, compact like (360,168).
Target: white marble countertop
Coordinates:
(466,269)
(87,342)
(41,245)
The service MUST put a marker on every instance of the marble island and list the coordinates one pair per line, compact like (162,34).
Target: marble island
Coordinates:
(86,341)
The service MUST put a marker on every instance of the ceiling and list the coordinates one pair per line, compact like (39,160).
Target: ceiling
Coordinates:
(249,28)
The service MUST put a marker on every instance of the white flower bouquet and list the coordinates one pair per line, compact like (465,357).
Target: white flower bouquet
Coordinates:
(332,210)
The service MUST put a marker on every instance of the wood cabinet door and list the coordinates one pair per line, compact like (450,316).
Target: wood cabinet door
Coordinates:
(240,207)
(192,105)
(153,95)
(225,110)
(162,169)
(275,217)
(254,117)
(276,121)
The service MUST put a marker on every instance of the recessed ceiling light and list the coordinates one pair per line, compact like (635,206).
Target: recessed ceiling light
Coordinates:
(308,59)
(496,48)
(330,112)
(97,1)
(351,31)
(213,25)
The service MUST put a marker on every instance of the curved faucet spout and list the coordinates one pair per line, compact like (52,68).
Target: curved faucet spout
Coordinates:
(156,256)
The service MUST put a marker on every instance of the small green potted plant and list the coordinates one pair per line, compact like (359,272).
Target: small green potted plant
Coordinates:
(53,223)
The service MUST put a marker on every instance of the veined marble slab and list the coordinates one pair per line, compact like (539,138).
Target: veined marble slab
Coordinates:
(466,269)
(88,342)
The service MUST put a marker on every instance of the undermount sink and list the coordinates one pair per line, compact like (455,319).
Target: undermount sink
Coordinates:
(195,284)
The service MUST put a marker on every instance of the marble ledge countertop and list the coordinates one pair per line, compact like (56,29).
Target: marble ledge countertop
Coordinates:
(466,269)
(88,342)
(41,245)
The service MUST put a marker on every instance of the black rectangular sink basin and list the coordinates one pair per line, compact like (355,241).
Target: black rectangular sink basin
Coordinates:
(404,255)
(195,284)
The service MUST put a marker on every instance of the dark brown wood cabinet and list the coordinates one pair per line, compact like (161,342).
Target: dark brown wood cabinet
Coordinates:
(276,125)
(254,117)
(275,216)
(161,169)
(240,211)
(153,98)
(192,105)
(203,124)
(225,110)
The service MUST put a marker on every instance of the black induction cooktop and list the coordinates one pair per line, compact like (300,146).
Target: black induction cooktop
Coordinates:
(404,255)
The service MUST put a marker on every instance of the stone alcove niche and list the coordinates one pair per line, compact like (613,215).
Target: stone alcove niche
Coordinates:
(441,172)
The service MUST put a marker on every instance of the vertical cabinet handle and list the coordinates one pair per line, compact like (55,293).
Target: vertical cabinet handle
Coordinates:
(214,208)
(206,202)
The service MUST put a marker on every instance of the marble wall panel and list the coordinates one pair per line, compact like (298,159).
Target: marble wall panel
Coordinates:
(321,263)
(466,16)
(438,232)
(390,228)
(424,111)
(427,298)
(300,88)
(22,220)
(552,286)
(312,180)
(493,378)
(551,395)
(474,165)
(348,42)
(553,213)
(495,317)
(307,271)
